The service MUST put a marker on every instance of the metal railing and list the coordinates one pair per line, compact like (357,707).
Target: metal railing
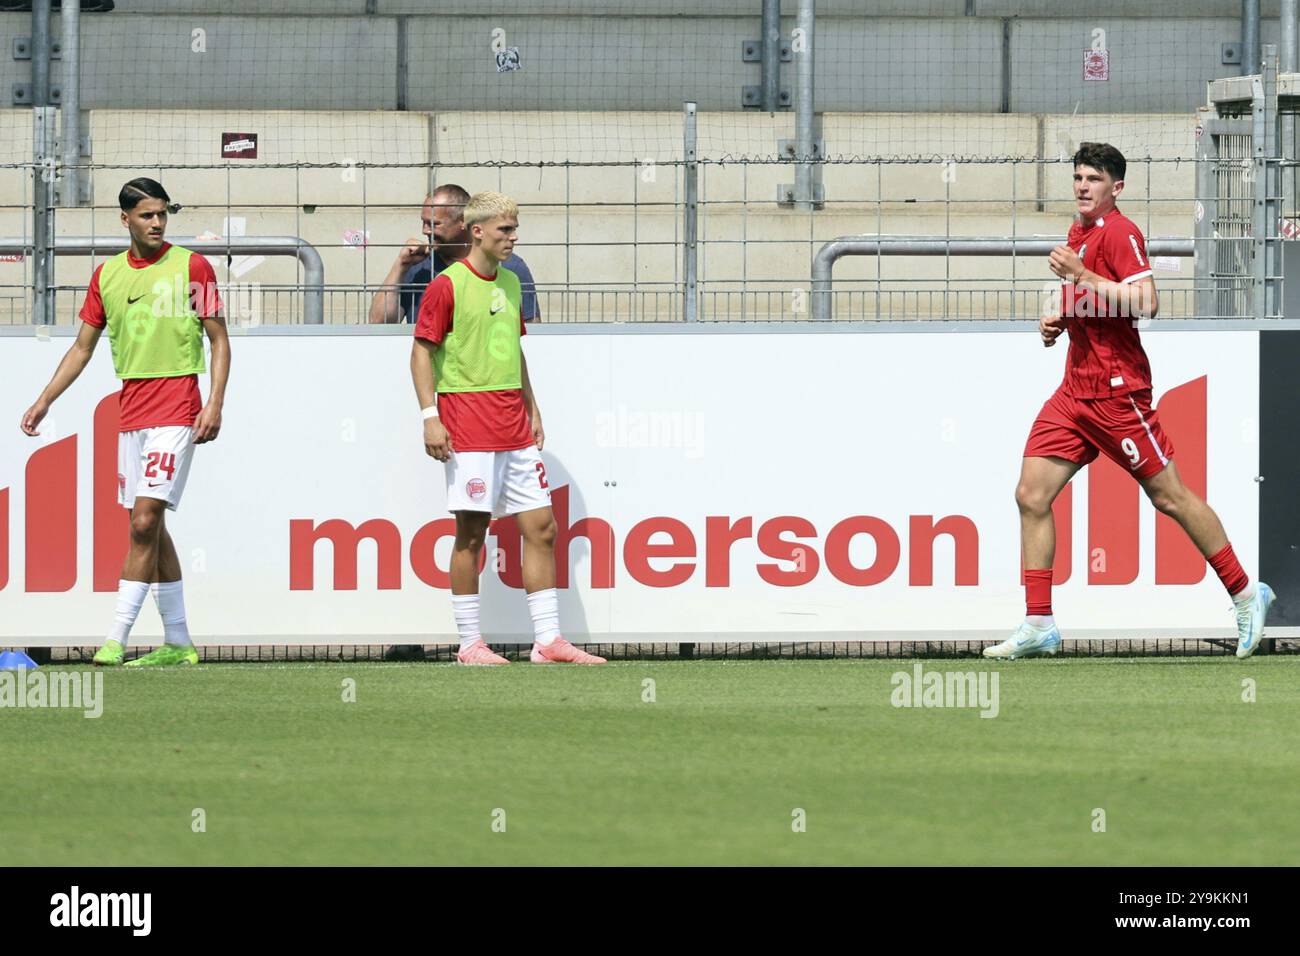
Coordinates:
(313,269)
(830,253)
(911,295)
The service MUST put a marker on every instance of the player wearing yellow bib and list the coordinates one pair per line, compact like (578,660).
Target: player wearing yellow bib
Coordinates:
(156,300)
(481,419)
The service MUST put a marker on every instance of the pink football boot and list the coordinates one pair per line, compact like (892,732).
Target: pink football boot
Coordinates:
(479,654)
(560,651)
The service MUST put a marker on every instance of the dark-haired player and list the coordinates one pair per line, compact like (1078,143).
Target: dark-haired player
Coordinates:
(1104,407)
(156,300)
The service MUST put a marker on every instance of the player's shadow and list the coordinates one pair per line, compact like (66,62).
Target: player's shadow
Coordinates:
(504,608)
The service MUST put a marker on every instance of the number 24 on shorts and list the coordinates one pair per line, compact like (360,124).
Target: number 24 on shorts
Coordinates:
(160,461)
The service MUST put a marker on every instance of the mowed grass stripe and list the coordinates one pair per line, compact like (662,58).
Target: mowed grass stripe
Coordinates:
(710,773)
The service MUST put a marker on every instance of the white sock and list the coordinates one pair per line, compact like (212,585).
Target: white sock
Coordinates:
(130,598)
(1245,595)
(464,607)
(1040,621)
(170,597)
(544,606)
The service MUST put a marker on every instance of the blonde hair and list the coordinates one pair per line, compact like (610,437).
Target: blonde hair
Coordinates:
(489,205)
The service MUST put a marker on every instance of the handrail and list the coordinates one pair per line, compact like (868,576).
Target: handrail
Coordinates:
(313,269)
(826,257)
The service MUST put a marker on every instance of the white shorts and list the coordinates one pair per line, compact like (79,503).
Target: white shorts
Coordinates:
(154,463)
(502,482)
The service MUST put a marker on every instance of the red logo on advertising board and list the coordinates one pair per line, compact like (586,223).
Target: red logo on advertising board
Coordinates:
(50,532)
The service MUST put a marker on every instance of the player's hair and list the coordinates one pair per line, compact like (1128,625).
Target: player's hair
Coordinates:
(142,188)
(453,197)
(488,205)
(1102,156)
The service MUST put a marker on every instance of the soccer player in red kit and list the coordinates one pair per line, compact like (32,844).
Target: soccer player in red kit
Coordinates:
(156,301)
(481,419)
(1104,407)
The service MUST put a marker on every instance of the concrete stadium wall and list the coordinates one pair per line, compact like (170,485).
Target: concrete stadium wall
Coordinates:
(319,81)
(862,8)
(579,227)
(565,66)
(1156,65)
(600,62)
(15,211)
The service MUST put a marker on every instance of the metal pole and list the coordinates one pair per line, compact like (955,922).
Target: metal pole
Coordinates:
(40,52)
(1249,37)
(1265,240)
(771,55)
(42,149)
(690,218)
(71,192)
(43,126)
(1288,63)
(803,174)
(1207,214)
(1258,184)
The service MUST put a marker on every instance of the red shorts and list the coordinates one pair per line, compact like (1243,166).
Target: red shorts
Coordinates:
(1124,427)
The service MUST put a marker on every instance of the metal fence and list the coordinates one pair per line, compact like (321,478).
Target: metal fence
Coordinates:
(699,233)
(718,247)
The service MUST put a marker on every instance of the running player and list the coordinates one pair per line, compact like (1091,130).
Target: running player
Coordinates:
(1104,406)
(156,301)
(481,419)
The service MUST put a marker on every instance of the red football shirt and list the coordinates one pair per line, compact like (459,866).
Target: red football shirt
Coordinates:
(1106,355)
(157,402)
(476,421)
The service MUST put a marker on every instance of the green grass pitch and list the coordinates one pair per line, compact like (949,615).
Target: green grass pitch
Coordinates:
(712,772)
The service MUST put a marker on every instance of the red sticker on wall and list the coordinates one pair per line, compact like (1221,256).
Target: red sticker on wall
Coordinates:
(1096,64)
(239,146)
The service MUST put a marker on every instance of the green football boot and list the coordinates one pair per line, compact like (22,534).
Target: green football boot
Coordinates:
(110,655)
(167,655)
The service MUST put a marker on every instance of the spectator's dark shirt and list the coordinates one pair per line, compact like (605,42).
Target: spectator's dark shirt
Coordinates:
(418,277)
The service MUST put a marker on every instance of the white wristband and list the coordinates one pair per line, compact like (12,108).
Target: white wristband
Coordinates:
(431,412)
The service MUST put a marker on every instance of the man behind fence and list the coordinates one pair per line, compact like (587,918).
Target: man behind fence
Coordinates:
(446,240)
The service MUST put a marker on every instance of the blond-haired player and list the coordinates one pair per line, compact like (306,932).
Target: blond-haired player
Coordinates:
(482,421)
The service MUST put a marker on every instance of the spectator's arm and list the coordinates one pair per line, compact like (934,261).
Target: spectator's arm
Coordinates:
(384,307)
(386,304)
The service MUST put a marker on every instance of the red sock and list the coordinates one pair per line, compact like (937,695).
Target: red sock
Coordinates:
(1229,570)
(1038,593)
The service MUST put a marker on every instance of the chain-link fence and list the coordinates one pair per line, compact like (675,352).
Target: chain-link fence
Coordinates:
(329,122)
